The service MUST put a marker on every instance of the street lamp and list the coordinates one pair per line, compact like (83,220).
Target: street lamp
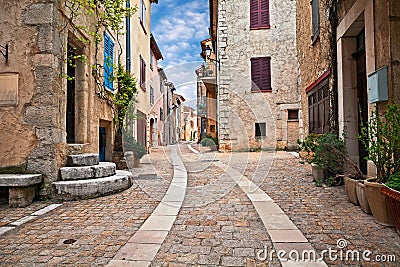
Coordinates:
(208,54)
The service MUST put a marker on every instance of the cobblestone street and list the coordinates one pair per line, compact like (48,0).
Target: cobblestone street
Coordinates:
(220,222)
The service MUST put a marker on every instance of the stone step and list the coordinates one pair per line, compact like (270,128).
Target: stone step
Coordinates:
(91,188)
(83,160)
(104,169)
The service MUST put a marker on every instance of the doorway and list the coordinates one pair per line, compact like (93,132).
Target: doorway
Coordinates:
(102,143)
(70,119)
(141,128)
(362,97)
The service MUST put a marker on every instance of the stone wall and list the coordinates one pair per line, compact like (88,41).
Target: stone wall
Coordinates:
(315,58)
(239,108)
(34,130)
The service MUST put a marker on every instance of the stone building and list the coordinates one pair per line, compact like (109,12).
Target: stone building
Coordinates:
(367,38)
(44,116)
(316,49)
(206,92)
(189,130)
(156,115)
(258,96)
(142,63)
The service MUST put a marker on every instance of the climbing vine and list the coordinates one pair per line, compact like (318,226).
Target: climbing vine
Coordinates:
(93,17)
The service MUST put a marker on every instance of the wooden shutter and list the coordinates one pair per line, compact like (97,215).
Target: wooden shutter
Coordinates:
(261,74)
(142,73)
(266,73)
(259,14)
(315,18)
(264,13)
(255,74)
(108,61)
(254,14)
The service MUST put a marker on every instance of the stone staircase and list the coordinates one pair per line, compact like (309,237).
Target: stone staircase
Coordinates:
(86,177)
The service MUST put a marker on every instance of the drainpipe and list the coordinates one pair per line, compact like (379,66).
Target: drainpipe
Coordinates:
(128,38)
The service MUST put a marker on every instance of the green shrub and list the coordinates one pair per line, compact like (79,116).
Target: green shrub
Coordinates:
(394,181)
(381,137)
(208,140)
(130,144)
(328,151)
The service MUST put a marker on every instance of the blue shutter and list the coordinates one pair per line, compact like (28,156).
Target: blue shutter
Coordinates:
(108,61)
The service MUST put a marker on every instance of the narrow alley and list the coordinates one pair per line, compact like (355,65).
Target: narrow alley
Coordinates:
(219,222)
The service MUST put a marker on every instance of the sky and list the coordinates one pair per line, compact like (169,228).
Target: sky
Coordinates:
(178,27)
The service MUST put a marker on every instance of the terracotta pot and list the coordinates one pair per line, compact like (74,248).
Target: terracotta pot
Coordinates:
(393,198)
(131,161)
(362,197)
(377,202)
(318,173)
(350,186)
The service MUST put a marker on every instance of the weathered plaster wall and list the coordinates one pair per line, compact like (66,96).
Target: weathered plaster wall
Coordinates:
(31,131)
(34,131)
(314,58)
(239,108)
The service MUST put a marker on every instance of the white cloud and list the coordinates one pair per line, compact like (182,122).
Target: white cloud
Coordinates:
(179,27)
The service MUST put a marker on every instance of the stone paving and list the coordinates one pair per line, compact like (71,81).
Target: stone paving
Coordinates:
(97,228)
(323,214)
(216,226)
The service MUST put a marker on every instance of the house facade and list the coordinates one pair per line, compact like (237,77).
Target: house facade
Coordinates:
(189,130)
(258,96)
(367,39)
(316,50)
(156,115)
(207,92)
(53,105)
(142,60)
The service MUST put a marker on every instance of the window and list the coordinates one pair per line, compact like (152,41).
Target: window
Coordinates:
(261,74)
(212,128)
(293,114)
(259,14)
(260,129)
(151,60)
(142,73)
(143,15)
(318,108)
(315,19)
(151,95)
(108,61)
(161,114)
(161,84)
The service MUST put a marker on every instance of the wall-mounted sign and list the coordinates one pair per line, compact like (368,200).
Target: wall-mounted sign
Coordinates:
(8,89)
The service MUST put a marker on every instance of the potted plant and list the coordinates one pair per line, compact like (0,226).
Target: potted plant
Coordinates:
(134,150)
(307,149)
(392,192)
(328,153)
(382,141)
(211,142)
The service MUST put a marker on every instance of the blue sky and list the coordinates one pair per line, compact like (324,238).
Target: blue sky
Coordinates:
(179,26)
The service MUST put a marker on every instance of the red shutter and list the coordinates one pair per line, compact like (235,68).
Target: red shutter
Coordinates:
(259,13)
(255,74)
(261,74)
(264,13)
(254,13)
(265,73)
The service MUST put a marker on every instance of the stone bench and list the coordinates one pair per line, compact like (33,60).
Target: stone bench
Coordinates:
(21,188)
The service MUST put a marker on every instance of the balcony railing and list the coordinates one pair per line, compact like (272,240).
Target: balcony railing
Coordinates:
(206,70)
